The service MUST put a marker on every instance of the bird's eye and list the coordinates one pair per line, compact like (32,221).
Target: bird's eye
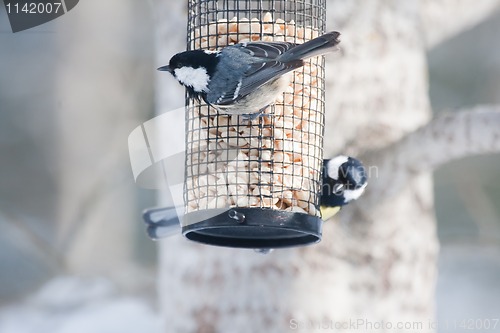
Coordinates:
(338,189)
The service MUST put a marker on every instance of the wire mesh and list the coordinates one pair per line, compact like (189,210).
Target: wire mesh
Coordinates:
(275,160)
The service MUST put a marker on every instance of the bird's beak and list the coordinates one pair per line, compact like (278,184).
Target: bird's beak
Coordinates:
(165,69)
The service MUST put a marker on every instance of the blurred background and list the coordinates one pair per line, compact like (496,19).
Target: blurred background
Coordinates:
(464,71)
(74,255)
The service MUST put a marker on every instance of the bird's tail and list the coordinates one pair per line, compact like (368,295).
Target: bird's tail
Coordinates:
(318,46)
(162,222)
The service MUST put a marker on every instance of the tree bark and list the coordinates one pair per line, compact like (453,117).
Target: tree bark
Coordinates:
(373,265)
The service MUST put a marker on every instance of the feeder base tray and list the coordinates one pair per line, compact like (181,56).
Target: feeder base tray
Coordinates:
(252,228)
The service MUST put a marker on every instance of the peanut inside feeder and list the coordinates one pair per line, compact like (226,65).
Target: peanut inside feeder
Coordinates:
(271,164)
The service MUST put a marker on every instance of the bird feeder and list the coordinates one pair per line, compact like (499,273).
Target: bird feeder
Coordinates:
(256,183)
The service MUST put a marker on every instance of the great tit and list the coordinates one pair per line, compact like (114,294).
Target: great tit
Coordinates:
(344,180)
(244,78)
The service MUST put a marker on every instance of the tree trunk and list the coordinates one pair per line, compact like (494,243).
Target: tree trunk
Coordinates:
(374,266)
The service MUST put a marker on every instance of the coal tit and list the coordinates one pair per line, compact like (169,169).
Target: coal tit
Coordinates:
(244,78)
(344,180)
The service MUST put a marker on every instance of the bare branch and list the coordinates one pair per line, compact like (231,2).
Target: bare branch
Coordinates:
(444,139)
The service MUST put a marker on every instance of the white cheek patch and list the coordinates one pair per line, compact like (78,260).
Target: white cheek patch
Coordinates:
(332,168)
(354,194)
(193,77)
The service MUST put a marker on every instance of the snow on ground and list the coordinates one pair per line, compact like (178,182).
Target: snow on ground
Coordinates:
(468,288)
(76,305)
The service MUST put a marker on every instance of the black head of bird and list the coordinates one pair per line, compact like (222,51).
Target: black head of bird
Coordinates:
(344,180)
(193,69)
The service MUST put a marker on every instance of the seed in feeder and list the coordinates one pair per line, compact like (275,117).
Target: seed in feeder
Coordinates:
(296,209)
(222,27)
(279,26)
(247,201)
(237,142)
(233,25)
(268,18)
(281,158)
(213,28)
(192,207)
(233,38)
(289,97)
(264,193)
(237,190)
(280,205)
(279,133)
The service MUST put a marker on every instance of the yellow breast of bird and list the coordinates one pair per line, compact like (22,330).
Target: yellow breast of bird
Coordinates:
(328,212)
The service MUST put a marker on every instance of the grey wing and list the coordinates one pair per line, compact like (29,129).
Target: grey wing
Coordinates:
(257,75)
(266,50)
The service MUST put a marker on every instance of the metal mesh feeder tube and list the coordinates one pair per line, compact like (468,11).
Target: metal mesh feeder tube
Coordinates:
(256,183)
